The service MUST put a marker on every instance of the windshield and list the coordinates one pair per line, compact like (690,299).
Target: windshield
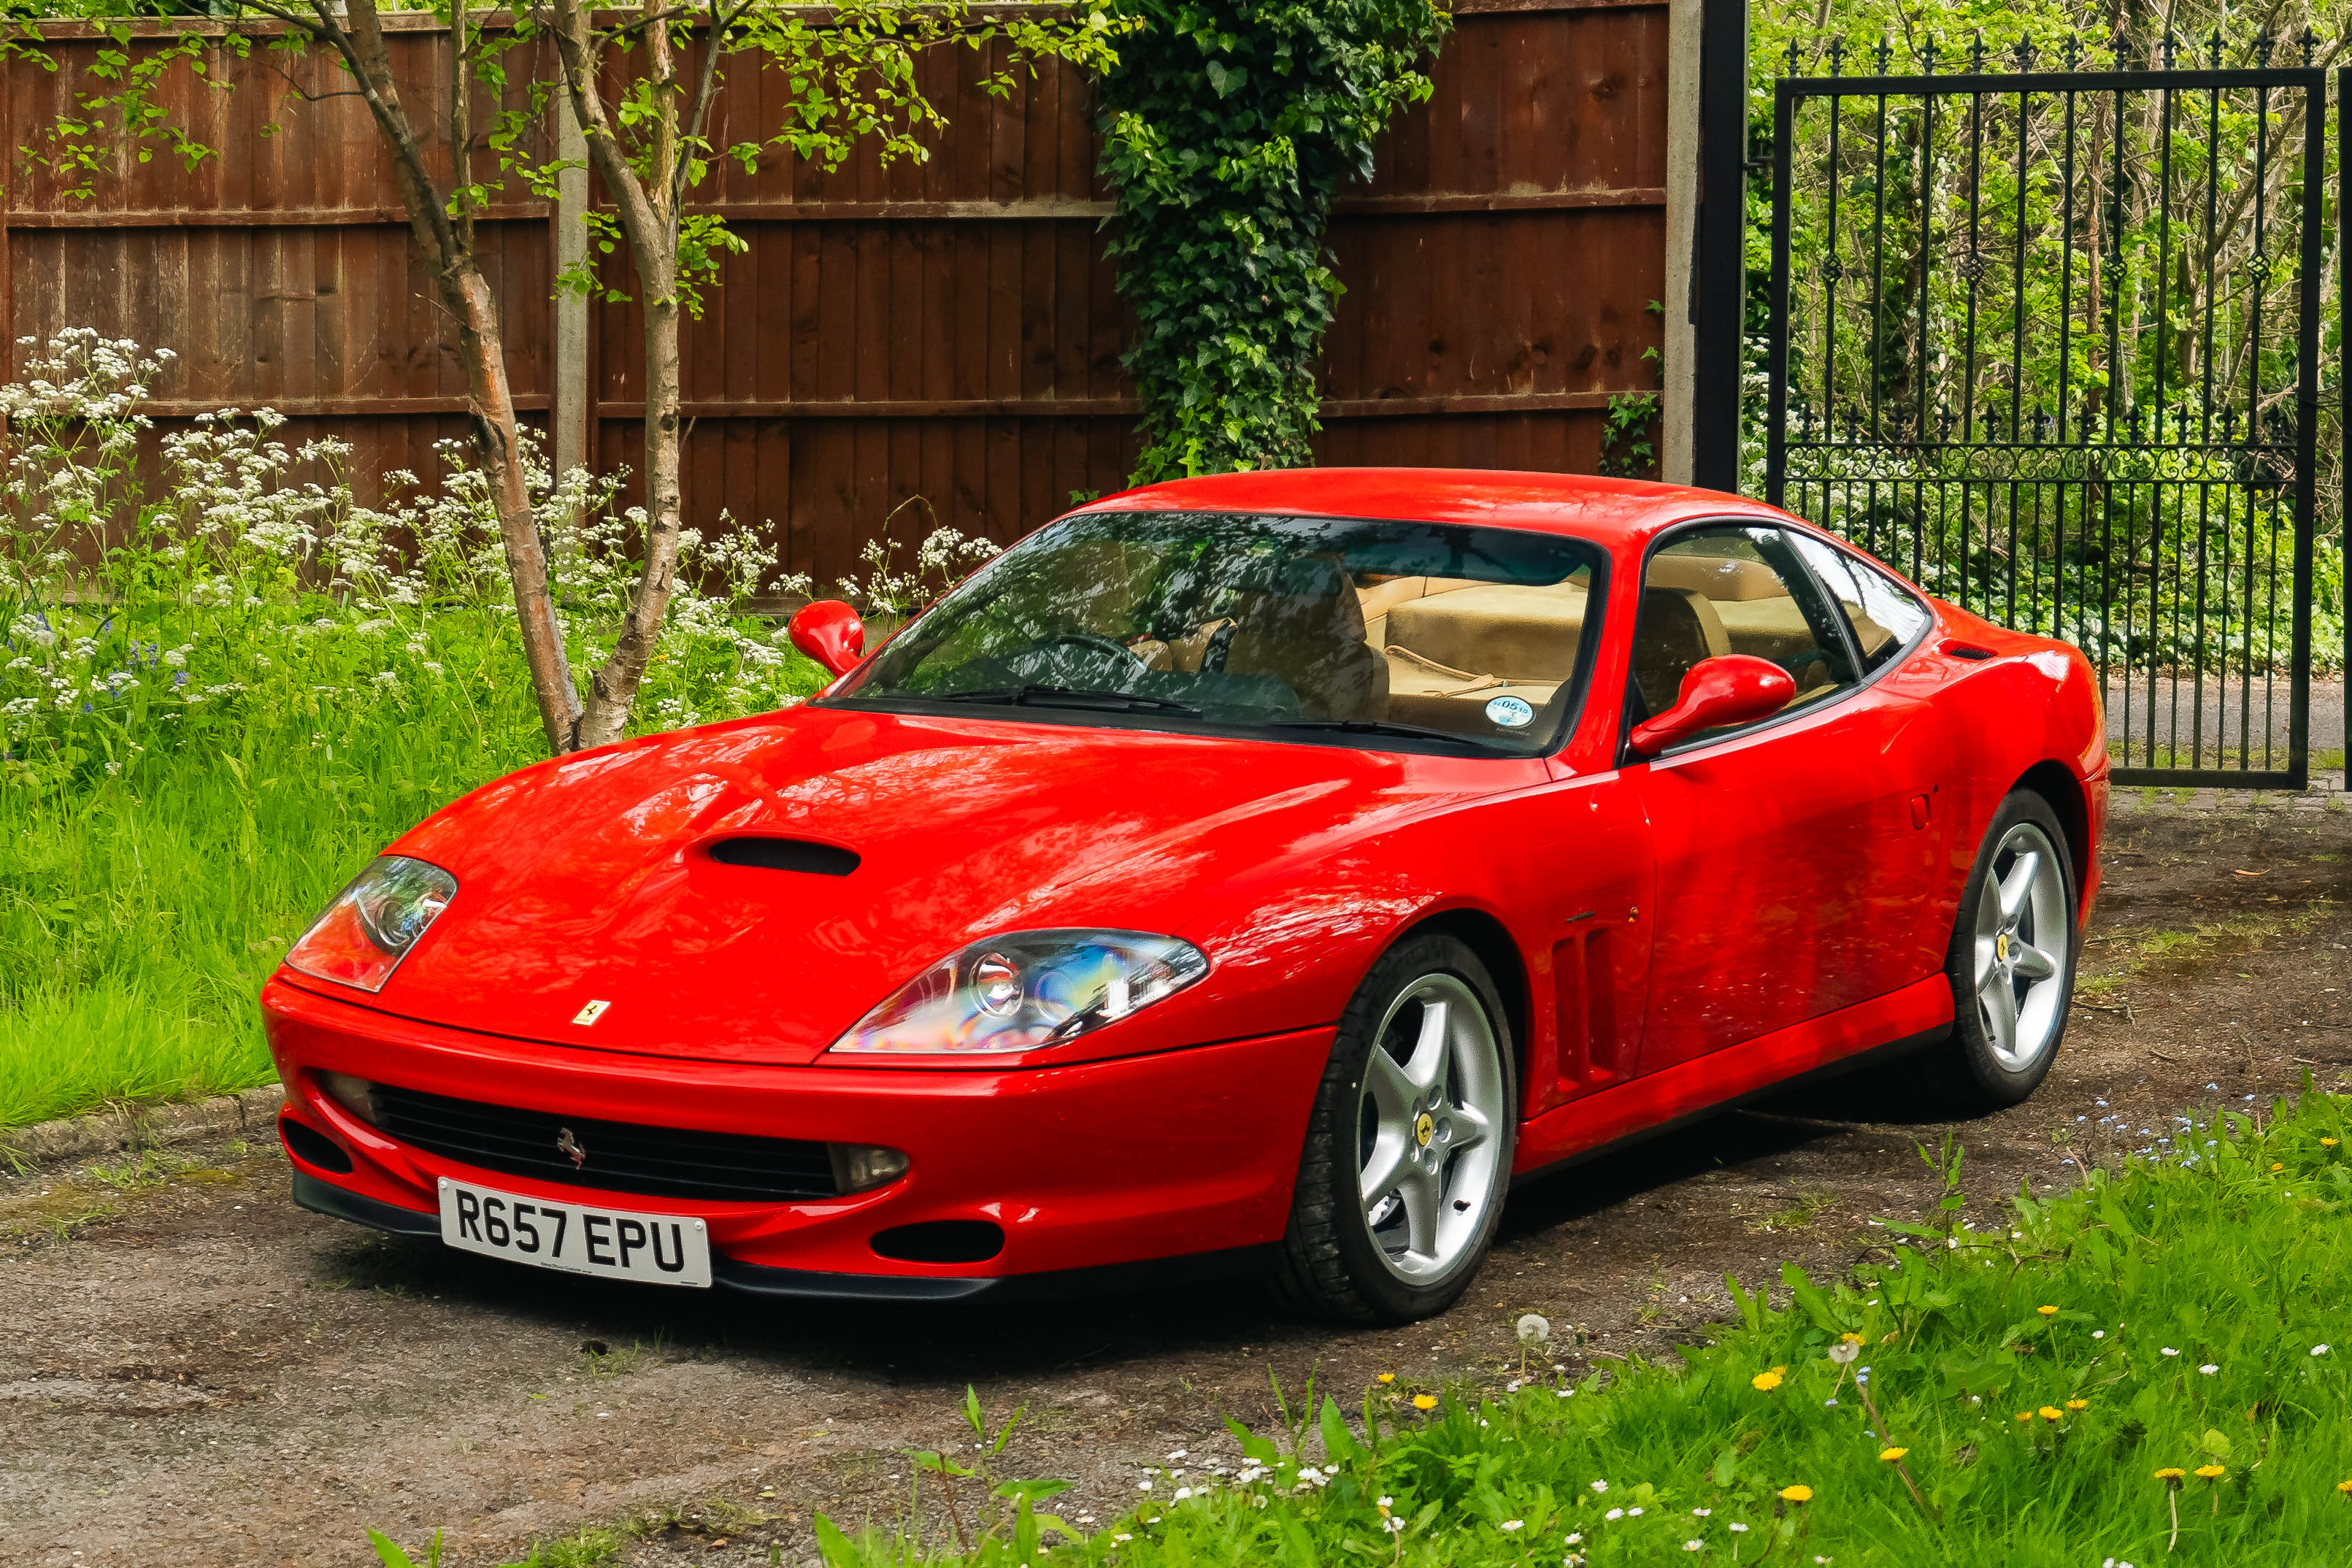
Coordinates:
(1400,633)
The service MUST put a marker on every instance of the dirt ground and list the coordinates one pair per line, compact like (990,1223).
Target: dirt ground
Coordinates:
(194,1372)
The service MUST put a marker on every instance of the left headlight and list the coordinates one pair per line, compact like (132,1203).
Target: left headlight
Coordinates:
(373,923)
(1034,988)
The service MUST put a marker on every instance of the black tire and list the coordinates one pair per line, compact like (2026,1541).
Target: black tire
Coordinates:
(1965,1076)
(1333,1267)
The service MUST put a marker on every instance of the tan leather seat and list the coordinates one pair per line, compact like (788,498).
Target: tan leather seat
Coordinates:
(1678,627)
(1377,599)
(1312,641)
(1448,656)
(1721,578)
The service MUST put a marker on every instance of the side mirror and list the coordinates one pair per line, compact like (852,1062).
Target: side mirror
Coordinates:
(1732,690)
(829,632)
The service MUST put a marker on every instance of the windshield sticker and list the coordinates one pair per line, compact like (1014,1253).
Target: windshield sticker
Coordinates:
(1510,712)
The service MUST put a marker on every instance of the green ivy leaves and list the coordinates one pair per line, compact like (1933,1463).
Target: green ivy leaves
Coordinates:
(1228,128)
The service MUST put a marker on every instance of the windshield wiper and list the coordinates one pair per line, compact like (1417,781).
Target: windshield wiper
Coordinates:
(1069,697)
(1378,727)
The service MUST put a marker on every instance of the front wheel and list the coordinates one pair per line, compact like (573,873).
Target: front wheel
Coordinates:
(2010,962)
(1409,1147)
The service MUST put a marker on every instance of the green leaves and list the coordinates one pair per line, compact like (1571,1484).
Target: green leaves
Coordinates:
(1225,168)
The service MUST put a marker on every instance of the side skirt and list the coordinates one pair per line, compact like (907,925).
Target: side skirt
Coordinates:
(1841,1042)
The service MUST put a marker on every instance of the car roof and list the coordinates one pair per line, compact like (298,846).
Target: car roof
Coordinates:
(1615,512)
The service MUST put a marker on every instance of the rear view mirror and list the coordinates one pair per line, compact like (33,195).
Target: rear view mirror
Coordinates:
(1734,689)
(829,632)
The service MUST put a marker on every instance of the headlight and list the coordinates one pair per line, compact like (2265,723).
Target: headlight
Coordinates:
(372,923)
(1036,988)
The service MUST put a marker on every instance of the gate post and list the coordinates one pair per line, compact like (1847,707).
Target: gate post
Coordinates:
(1719,300)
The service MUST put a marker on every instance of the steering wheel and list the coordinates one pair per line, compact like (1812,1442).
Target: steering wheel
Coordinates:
(1094,641)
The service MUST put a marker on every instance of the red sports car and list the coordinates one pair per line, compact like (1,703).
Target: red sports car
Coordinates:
(1257,873)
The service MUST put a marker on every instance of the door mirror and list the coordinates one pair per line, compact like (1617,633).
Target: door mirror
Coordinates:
(1732,688)
(829,632)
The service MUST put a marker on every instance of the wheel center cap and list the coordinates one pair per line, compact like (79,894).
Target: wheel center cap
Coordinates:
(1425,1128)
(2000,947)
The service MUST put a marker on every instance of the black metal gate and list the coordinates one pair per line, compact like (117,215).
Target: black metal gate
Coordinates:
(2049,342)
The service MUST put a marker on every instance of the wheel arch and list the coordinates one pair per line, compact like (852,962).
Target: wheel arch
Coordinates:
(1487,937)
(2056,783)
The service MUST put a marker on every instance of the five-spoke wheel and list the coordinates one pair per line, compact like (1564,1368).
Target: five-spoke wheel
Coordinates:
(1409,1150)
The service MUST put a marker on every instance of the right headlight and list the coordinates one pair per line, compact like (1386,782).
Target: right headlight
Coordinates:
(373,923)
(1030,989)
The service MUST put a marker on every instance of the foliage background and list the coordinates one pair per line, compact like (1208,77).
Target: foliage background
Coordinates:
(1855,29)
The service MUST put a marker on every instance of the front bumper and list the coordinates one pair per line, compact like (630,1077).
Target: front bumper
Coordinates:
(1099,1173)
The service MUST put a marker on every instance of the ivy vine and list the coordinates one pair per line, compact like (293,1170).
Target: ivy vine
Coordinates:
(1228,128)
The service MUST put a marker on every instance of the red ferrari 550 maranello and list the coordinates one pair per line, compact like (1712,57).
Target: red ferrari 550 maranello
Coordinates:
(1251,873)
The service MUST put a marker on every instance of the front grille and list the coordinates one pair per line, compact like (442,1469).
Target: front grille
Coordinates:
(619,1157)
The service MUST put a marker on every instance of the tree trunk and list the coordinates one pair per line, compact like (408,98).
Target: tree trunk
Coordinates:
(445,244)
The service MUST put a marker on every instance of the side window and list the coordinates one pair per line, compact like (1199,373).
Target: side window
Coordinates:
(1883,614)
(1734,590)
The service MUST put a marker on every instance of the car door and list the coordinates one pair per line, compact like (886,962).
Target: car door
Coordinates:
(1790,853)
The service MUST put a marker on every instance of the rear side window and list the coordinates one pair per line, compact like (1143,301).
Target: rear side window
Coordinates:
(1885,616)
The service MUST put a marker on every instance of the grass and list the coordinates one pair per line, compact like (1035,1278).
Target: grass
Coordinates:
(2140,1369)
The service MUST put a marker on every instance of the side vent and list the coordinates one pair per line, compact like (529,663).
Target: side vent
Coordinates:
(1584,998)
(786,855)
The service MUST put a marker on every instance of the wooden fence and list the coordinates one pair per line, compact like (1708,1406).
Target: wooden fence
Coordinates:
(945,329)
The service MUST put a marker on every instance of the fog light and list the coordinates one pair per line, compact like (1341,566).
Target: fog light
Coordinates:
(356,1095)
(859,1166)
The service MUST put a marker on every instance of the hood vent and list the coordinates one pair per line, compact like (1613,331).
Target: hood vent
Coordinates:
(786,855)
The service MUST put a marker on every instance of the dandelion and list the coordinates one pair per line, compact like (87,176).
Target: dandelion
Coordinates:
(1424,1402)
(1533,1329)
(2047,1311)
(2025,1416)
(1386,1377)
(1766,1382)
(1846,1350)
(2327,1143)
(2276,1166)
(2345,1487)
(2211,1472)
(1798,1493)
(2052,1413)
(2078,1405)
(1891,1455)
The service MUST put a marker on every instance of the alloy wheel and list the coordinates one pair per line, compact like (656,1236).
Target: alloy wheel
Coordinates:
(1427,1128)
(2023,941)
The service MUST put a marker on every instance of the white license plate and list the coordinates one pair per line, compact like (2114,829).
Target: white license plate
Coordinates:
(657,1248)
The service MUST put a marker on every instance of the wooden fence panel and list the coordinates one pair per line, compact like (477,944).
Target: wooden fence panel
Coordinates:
(943,329)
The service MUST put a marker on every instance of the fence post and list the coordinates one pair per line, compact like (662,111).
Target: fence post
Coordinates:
(568,416)
(1685,19)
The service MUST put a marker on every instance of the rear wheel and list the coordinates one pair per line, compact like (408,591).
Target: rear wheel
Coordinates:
(2010,962)
(1409,1148)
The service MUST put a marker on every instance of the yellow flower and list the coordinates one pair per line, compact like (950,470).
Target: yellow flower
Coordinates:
(1387,1377)
(1424,1402)
(2047,1311)
(1766,1382)
(1797,1494)
(2025,1416)
(2171,1475)
(2078,1405)
(2345,1487)
(1891,1455)
(2276,1166)
(1852,1339)
(2211,1472)
(2052,1413)
(2327,1143)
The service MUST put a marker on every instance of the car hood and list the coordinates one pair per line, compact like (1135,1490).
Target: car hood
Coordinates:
(590,878)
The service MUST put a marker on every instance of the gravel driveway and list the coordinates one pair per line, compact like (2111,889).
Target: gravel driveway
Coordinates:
(197,1373)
